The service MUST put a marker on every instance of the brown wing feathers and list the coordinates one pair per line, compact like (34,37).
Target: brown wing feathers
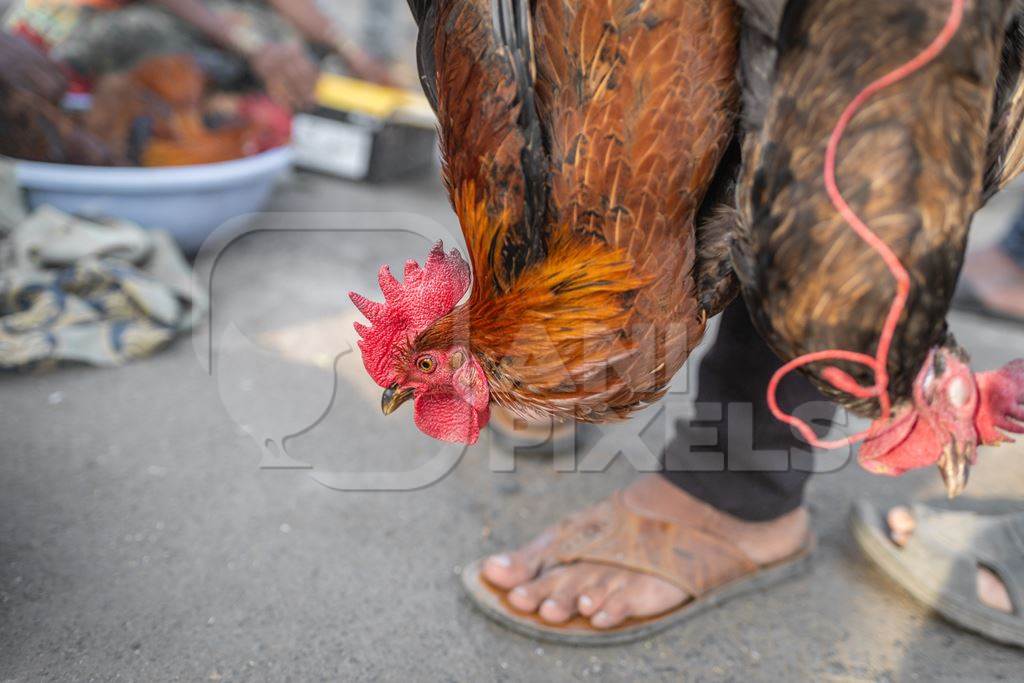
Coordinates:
(477,62)
(1006,141)
(638,100)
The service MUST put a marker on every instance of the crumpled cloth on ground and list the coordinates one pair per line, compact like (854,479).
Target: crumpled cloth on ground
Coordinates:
(99,293)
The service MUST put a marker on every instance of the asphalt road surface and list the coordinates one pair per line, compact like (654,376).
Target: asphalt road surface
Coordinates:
(140,539)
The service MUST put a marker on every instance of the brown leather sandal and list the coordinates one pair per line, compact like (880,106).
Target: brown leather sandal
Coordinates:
(708,567)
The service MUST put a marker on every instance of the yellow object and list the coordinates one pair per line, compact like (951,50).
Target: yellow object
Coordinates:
(351,95)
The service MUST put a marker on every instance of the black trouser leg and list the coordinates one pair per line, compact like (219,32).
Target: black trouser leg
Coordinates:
(735,374)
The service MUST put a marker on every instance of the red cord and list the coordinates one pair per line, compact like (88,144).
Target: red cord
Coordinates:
(879,363)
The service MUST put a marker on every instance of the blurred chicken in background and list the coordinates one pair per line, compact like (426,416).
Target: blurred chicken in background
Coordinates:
(163,82)
(32,124)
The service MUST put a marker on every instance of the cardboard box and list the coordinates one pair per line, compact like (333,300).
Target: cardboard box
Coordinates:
(363,131)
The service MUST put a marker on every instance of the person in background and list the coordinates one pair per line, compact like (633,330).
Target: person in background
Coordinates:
(371,63)
(379,29)
(992,283)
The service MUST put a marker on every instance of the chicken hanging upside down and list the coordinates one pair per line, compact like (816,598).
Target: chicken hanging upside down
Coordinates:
(918,159)
(580,139)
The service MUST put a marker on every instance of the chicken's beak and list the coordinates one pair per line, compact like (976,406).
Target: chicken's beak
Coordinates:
(955,467)
(393,398)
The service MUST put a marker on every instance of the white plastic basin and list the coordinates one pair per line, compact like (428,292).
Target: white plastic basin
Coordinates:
(188,201)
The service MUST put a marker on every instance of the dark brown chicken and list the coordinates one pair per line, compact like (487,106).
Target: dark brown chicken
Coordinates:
(579,140)
(917,161)
(32,124)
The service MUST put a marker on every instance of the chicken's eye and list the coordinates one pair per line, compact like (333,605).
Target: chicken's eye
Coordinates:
(426,364)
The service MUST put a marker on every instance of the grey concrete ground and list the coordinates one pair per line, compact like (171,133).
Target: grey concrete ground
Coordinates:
(140,540)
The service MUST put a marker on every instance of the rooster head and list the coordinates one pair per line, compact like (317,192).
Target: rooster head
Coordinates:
(447,385)
(936,428)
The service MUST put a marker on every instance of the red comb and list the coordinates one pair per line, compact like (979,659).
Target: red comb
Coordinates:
(409,307)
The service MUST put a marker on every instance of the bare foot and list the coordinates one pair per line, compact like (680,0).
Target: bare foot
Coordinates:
(997,280)
(991,590)
(608,595)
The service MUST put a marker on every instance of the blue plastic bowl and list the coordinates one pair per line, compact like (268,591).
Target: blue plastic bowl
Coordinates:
(190,202)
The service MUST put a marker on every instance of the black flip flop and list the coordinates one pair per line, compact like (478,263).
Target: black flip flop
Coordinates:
(939,564)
